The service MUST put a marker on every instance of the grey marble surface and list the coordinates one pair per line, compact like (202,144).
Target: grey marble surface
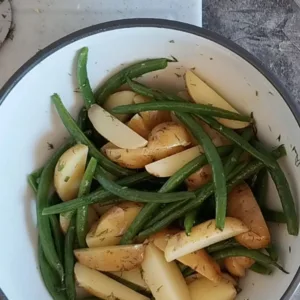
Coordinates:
(269,29)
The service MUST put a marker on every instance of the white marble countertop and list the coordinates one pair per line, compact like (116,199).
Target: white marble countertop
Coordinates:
(37,23)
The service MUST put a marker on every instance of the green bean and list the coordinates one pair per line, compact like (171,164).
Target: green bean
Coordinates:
(50,278)
(37,173)
(272,251)
(82,212)
(206,191)
(215,161)
(261,187)
(234,158)
(79,136)
(251,253)
(56,231)
(285,195)
(98,196)
(185,107)
(287,200)
(189,221)
(274,216)
(237,139)
(222,245)
(32,182)
(82,78)
(136,195)
(261,269)
(132,71)
(58,236)
(166,211)
(42,221)
(82,119)
(69,260)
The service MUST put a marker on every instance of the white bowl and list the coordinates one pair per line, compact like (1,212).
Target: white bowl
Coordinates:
(29,122)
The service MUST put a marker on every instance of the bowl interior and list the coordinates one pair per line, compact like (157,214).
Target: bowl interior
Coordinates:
(29,124)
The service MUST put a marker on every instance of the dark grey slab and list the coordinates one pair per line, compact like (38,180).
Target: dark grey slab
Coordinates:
(269,29)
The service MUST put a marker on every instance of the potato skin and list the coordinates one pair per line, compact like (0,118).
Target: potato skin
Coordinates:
(237,266)
(242,205)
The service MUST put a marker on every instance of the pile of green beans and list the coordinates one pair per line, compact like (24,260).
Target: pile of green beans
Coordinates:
(167,204)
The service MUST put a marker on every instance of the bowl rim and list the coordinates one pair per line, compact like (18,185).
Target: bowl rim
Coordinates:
(164,24)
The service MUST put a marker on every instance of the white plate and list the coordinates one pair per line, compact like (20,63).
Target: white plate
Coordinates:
(28,122)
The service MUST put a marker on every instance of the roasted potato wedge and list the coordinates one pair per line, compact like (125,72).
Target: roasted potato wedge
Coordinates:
(167,135)
(199,178)
(242,205)
(203,94)
(69,171)
(130,158)
(201,236)
(134,276)
(137,124)
(166,167)
(102,286)
(111,258)
(237,266)
(114,130)
(117,99)
(204,289)
(108,230)
(164,279)
(200,260)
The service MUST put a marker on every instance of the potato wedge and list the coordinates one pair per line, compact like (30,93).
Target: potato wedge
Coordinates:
(69,171)
(230,279)
(166,167)
(216,137)
(168,135)
(111,258)
(108,230)
(133,276)
(152,118)
(103,286)
(101,210)
(201,236)
(137,124)
(185,95)
(114,130)
(164,279)
(130,158)
(242,205)
(200,260)
(65,219)
(237,266)
(203,94)
(204,289)
(199,178)
(108,145)
(117,99)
